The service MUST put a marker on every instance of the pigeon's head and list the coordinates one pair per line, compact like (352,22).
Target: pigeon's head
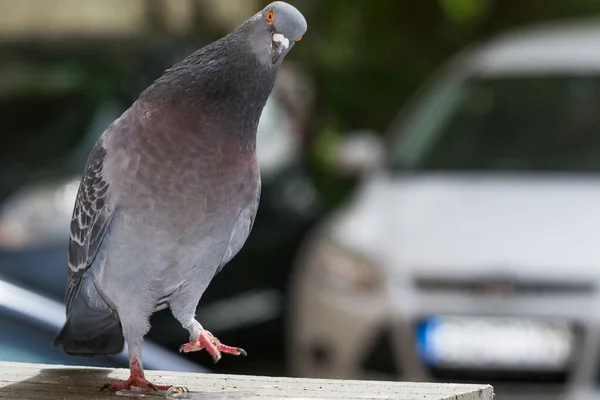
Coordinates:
(277,28)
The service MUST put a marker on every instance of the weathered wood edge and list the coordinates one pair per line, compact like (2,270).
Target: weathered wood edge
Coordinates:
(40,381)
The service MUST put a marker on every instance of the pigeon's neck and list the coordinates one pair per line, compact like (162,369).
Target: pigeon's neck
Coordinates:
(223,84)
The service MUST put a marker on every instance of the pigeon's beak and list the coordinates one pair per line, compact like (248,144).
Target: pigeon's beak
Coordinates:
(280,45)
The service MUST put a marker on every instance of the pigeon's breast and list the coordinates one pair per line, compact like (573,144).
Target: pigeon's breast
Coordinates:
(177,188)
(185,200)
(177,229)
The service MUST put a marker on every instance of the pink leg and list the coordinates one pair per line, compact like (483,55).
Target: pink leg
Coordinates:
(136,378)
(207,341)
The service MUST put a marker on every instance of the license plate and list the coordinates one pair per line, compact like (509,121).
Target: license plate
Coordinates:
(495,343)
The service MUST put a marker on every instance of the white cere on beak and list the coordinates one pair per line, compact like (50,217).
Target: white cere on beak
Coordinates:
(279,38)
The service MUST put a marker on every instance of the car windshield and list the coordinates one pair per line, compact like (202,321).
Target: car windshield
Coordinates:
(546,123)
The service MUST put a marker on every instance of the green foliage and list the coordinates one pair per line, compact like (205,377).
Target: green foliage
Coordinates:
(368,57)
(462,11)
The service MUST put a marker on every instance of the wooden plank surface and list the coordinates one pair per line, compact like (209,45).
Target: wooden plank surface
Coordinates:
(36,381)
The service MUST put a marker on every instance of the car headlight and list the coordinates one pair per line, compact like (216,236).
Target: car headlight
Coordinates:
(346,269)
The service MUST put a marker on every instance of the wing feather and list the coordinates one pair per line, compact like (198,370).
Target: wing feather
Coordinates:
(237,239)
(92,214)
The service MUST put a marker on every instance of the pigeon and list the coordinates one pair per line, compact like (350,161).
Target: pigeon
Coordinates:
(169,195)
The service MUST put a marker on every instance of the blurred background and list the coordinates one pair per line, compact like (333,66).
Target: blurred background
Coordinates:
(426,168)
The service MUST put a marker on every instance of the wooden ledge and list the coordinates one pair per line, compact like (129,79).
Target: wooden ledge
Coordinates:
(38,381)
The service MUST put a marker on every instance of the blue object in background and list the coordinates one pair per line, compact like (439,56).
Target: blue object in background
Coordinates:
(424,346)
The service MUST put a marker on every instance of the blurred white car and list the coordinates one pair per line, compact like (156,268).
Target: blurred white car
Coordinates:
(472,253)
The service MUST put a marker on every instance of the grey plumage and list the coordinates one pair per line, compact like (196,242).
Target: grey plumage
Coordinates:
(170,191)
(96,330)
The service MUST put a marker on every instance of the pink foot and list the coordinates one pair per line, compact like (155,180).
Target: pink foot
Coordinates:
(136,378)
(212,345)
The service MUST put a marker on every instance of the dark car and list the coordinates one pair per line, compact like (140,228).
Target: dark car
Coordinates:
(57,97)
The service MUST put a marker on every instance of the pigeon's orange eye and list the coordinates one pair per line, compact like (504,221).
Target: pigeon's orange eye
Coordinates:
(270,16)
(299,39)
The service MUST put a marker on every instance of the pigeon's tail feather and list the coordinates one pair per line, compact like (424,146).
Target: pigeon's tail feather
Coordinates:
(104,342)
(89,332)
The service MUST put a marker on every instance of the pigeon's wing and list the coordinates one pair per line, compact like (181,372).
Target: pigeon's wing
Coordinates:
(241,230)
(91,217)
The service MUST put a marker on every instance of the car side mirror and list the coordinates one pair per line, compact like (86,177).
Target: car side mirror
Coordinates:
(358,152)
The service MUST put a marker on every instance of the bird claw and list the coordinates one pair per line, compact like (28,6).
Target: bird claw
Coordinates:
(212,345)
(136,382)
